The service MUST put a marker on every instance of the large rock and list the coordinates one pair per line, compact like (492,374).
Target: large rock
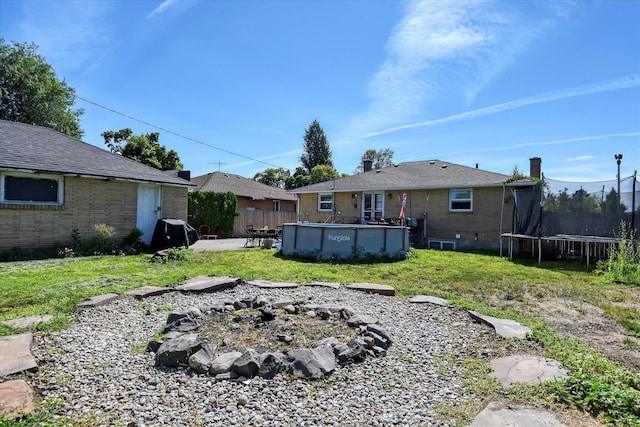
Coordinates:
(315,363)
(361,320)
(16,399)
(200,361)
(177,351)
(222,364)
(379,330)
(248,364)
(182,321)
(270,365)
(15,354)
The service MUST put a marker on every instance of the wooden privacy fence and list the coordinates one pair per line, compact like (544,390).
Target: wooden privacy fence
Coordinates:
(259,219)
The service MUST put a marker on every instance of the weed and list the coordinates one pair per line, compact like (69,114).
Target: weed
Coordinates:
(629,344)
(623,264)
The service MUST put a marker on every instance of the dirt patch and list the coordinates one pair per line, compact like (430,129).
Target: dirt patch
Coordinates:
(588,324)
(242,329)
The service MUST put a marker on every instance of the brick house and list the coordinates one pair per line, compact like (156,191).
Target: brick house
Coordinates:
(447,206)
(51,184)
(260,205)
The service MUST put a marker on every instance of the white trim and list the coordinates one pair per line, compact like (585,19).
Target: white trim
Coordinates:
(58,178)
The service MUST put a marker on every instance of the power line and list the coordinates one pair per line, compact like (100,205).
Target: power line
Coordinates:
(177,134)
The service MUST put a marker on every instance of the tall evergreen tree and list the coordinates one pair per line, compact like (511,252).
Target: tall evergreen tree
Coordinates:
(316,150)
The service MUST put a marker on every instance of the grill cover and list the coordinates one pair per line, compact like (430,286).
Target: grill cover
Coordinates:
(173,233)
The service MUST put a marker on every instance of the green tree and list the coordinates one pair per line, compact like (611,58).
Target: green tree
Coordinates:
(142,148)
(380,159)
(300,178)
(322,173)
(31,93)
(275,177)
(316,148)
(610,204)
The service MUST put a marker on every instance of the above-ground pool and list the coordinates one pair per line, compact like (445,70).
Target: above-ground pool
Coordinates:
(344,240)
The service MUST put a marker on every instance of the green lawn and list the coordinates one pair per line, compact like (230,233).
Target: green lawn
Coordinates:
(476,281)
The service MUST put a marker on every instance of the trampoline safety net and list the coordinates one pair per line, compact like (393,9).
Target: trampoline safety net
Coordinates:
(576,208)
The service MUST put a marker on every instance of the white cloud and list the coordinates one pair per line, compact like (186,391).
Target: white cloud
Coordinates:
(447,47)
(580,158)
(166,5)
(543,143)
(626,82)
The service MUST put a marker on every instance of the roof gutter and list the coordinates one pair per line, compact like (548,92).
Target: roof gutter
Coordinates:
(108,178)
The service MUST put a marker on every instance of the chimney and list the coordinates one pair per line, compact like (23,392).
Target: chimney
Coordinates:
(185,175)
(535,167)
(366,164)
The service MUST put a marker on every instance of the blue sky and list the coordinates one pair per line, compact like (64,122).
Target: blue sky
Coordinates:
(492,83)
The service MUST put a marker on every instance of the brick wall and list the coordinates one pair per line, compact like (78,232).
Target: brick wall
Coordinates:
(86,202)
(174,202)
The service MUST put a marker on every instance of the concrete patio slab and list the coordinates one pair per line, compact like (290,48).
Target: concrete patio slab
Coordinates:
(333,285)
(15,354)
(373,288)
(208,284)
(27,322)
(147,291)
(16,399)
(495,415)
(428,299)
(98,300)
(526,369)
(506,328)
(266,284)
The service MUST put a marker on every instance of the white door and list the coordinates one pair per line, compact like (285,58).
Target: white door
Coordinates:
(149,210)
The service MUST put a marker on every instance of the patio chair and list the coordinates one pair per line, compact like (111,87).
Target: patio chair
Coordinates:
(204,231)
(252,236)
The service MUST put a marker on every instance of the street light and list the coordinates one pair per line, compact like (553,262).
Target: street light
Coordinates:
(618,160)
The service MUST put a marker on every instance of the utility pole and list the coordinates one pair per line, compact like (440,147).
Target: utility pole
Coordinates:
(217,163)
(618,158)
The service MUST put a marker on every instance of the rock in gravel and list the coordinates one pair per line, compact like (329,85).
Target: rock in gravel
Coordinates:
(176,351)
(247,364)
(315,363)
(222,364)
(200,361)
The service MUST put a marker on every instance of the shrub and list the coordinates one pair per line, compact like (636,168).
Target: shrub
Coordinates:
(132,243)
(102,243)
(173,254)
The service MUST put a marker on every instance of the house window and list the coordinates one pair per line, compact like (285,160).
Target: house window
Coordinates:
(443,245)
(276,205)
(461,200)
(325,202)
(34,189)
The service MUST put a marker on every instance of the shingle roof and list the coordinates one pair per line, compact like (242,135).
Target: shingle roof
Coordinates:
(240,186)
(40,149)
(427,174)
